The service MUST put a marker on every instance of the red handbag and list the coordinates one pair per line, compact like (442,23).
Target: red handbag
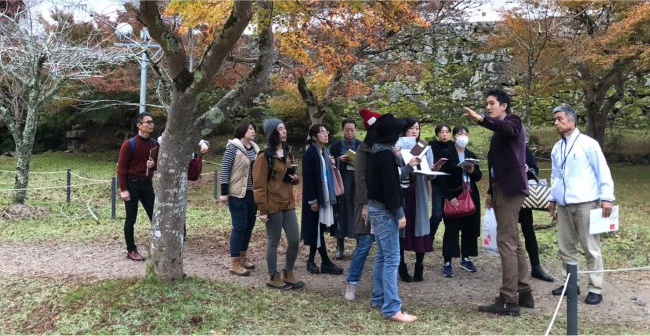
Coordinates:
(465,205)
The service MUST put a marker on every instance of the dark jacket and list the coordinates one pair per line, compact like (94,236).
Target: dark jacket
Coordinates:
(451,185)
(364,154)
(438,148)
(532,164)
(312,189)
(384,180)
(507,154)
(337,150)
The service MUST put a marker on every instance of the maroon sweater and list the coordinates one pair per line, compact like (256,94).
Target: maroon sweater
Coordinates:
(134,164)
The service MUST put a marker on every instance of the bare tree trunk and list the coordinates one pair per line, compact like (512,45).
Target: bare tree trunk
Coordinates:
(314,107)
(24,146)
(171,192)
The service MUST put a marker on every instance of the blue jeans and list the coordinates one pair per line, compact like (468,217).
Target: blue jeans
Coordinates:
(384,273)
(364,244)
(242,213)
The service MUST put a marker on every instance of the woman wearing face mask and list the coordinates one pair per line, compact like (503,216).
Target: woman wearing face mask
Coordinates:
(452,186)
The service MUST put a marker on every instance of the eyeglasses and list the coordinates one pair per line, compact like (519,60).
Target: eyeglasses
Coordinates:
(324,132)
(150,122)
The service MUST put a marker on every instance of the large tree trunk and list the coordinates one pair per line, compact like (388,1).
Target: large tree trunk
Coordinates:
(596,124)
(314,107)
(171,191)
(598,105)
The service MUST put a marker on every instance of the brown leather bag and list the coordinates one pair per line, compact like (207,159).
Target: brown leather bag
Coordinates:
(465,207)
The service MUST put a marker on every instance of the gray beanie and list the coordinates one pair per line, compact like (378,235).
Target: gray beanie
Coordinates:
(269,125)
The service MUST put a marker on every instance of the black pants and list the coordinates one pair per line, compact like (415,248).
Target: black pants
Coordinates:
(468,244)
(526,220)
(140,191)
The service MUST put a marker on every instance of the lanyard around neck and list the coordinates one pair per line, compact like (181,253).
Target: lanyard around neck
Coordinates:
(566,155)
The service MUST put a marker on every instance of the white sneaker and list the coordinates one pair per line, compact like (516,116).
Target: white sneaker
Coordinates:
(350,292)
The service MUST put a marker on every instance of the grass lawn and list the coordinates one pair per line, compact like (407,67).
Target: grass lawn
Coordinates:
(197,306)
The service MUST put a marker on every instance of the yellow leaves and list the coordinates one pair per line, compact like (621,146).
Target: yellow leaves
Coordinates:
(628,36)
(287,100)
(195,13)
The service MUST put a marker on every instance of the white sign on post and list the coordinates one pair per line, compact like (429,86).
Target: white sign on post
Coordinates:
(599,224)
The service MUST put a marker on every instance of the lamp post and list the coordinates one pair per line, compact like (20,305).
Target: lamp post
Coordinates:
(124,31)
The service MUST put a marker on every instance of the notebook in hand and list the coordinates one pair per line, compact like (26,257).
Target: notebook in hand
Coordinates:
(467,163)
(419,148)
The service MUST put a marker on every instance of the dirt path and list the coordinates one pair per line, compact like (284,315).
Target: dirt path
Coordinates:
(627,295)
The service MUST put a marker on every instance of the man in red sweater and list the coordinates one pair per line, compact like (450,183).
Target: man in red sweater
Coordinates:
(134,172)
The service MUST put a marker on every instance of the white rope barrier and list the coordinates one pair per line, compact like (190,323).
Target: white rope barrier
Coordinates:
(559,303)
(88,179)
(210,162)
(617,270)
(35,172)
(58,187)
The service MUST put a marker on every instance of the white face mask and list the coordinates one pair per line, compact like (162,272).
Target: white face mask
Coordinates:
(462,141)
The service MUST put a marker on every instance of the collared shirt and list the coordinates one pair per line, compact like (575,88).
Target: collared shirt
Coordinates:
(579,171)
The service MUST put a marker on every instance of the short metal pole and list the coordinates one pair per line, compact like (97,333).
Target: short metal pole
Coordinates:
(113,194)
(68,189)
(572,299)
(216,186)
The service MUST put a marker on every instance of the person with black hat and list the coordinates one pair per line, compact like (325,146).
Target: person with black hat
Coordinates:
(386,212)
(273,180)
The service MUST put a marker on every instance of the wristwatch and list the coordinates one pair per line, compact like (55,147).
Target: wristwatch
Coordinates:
(482,117)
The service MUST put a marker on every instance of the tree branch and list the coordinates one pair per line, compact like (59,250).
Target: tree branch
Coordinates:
(256,80)
(220,47)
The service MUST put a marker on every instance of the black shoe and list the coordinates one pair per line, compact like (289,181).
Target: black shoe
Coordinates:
(404,273)
(312,268)
(501,307)
(558,291)
(526,300)
(338,255)
(593,298)
(538,272)
(330,268)
(417,274)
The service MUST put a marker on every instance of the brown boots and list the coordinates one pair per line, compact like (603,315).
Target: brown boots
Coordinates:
(244,261)
(290,280)
(236,267)
(275,281)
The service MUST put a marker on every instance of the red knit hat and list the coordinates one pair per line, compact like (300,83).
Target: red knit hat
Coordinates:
(369,117)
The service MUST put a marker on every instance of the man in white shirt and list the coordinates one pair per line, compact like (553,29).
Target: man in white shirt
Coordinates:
(580,182)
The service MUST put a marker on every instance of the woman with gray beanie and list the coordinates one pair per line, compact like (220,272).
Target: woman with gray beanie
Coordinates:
(274,175)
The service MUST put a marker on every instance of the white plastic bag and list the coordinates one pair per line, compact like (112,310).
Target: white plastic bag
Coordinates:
(490,232)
